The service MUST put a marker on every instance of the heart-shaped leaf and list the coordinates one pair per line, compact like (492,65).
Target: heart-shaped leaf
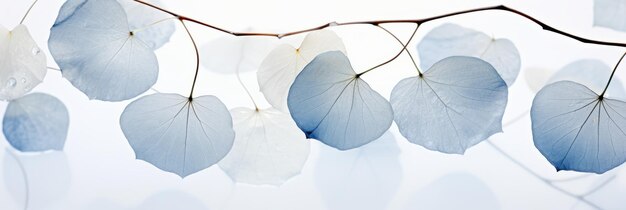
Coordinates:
(331,103)
(269,148)
(284,63)
(456,104)
(141,18)
(93,44)
(36,122)
(453,40)
(178,134)
(22,62)
(576,129)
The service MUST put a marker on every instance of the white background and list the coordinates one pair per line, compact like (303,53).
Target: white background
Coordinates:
(97,169)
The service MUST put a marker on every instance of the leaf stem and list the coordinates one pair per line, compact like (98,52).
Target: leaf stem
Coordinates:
(153,24)
(404,47)
(612,74)
(28,11)
(396,56)
(195,47)
(23,170)
(256,107)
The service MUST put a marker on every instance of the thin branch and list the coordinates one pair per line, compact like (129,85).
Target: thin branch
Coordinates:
(396,56)
(404,47)
(153,24)
(195,47)
(377,22)
(52,68)
(23,170)
(28,11)
(611,77)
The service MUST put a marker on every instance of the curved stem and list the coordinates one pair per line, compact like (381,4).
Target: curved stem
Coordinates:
(256,107)
(28,11)
(404,47)
(195,47)
(394,57)
(52,68)
(612,74)
(153,24)
(23,170)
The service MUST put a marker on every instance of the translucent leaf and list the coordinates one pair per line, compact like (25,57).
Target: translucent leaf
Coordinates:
(36,122)
(536,77)
(366,178)
(458,103)
(452,40)
(228,54)
(330,103)
(576,130)
(22,62)
(284,63)
(591,73)
(269,148)
(610,14)
(467,190)
(140,18)
(92,43)
(177,134)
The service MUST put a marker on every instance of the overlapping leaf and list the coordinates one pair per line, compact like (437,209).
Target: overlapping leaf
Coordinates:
(22,62)
(591,73)
(92,42)
(456,104)
(178,134)
(330,103)
(576,129)
(284,63)
(454,40)
(231,54)
(269,148)
(610,14)
(36,122)
(148,23)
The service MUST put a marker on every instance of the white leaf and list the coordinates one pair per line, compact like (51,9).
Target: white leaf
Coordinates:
(230,54)
(23,65)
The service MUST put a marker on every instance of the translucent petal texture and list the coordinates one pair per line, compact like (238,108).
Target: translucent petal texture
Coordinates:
(451,40)
(593,74)
(269,148)
(468,191)
(575,130)
(366,178)
(92,44)
(230,54)
(176,134)
(330,103)
(610,14)
(23,64)
(284,63)
(458,103)
(140,18)
(36,122)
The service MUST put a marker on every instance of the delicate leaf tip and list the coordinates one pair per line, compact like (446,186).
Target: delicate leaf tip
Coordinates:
(22,62)
(92,43)
(458,103)
(36,122)
(177,134)
(575,130)
(453,40)
(280,68)
(269,148)
(331,104)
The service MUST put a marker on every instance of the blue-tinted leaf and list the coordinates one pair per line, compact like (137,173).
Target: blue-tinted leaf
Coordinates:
(140,18)
(366,178)
(92,43)
(22,62)
(451,39)
(591,73)
(610,14)
(576,130)
(177,134)
(36,122)
(467,191)
(330,103)
(269,148)
(458,103)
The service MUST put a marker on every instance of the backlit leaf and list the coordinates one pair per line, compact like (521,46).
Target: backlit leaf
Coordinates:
(22,62)
(230,54)
(591,73)
(458,103)
(610,14)
(140,18)
(177,134)
(330,103)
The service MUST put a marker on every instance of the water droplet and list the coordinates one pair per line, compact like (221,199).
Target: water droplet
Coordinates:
(333,24)
(11,82)
(36,51)
(23,80)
